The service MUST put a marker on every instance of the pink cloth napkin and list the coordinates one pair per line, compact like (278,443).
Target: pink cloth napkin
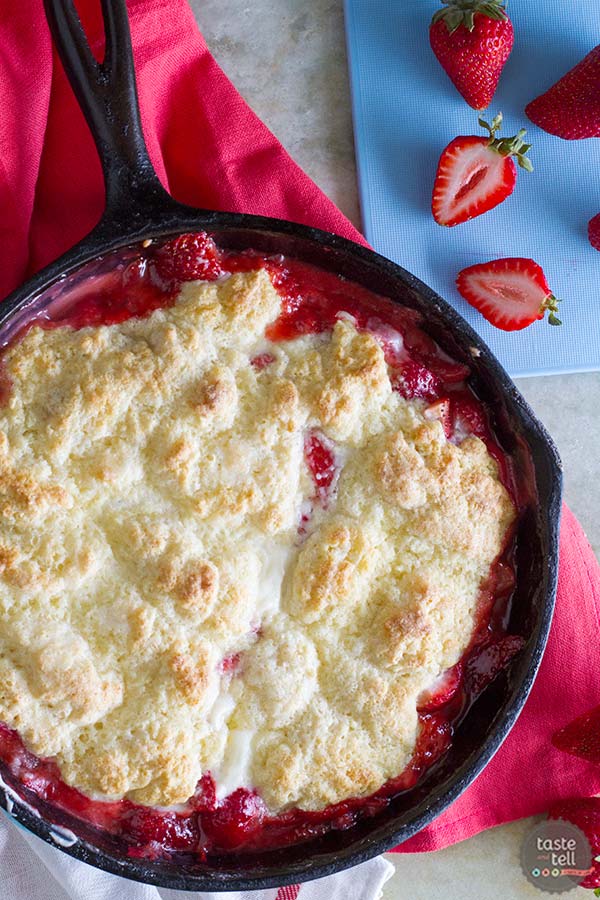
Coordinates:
(210,150)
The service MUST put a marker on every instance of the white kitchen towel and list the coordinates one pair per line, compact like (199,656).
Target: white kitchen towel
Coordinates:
(32,870)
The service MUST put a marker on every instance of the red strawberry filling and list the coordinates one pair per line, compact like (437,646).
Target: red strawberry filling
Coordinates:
(235,821)
(491,658)
(153,833)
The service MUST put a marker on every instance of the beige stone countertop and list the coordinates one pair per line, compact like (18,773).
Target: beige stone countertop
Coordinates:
(287,58)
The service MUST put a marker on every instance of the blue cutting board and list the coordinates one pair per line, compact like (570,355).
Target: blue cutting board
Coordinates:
(405,112)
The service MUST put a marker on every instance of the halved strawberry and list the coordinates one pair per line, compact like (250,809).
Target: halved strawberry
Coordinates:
(581,737)
(189,257)
(475,174)
(510,293)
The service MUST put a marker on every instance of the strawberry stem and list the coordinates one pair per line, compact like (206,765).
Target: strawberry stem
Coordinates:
(463,12)
(513,146)
(551,303)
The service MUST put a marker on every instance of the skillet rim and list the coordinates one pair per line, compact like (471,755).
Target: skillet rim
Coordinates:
(544,456)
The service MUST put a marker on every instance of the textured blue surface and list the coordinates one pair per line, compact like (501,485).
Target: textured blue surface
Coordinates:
(405,112)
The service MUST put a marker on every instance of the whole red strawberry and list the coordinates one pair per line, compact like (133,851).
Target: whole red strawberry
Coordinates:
(510,293)
(472,40)
(594,232)
(414,380)
(584,812)
(581,737)
(571,108)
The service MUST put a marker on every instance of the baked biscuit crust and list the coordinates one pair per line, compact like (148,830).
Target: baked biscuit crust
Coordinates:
(152,485)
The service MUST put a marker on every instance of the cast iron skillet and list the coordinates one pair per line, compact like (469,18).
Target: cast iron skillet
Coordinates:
(137,208)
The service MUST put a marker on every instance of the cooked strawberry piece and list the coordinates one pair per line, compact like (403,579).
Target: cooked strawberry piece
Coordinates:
(318,452)
(390,340)
(414,381)
(581,737)
(472,39)
(584,812)
(468,416)
(447,371)
(571,107)
(435,735)
(189,257)
(261,361)
(156,832)
(488,660)
(503,579)
(231,664)
(510,293)
(443,691)
(441,410)
(476,174)
(594,232)
(235,821)
(205,797)
(109,298)
(424,350)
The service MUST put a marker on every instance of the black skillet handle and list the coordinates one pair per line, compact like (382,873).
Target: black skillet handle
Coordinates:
(107,95)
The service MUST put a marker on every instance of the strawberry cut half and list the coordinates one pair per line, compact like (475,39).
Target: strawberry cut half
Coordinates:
(510,293)
(476,174)
(581,737)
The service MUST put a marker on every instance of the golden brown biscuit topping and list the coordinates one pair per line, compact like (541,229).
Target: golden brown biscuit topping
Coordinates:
(169,607)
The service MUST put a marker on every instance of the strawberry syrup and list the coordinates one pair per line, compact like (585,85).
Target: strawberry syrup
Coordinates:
(135,284)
